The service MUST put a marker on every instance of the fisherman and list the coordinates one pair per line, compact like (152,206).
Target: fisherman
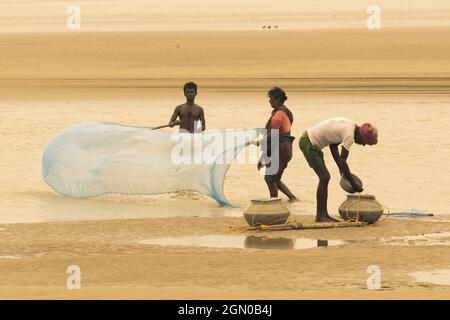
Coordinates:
(331,133)
(280,119)
(189,113)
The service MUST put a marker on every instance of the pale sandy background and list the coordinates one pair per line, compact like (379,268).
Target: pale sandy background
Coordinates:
(152,15)
(128,63)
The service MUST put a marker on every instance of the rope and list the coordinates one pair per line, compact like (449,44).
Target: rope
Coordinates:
(272,223)
(387,215)
(357,210)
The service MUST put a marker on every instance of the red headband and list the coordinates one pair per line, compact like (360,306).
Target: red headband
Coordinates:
(367,135)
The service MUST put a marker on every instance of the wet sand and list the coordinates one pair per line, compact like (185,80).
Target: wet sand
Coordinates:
(114,265)
(168,56)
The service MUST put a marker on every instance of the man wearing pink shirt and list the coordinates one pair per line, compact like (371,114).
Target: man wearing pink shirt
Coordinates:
(280,119)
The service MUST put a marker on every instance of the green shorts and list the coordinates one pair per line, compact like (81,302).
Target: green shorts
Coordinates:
(313,155)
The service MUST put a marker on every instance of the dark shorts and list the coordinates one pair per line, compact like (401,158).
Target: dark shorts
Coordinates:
(285,156)
(313,155)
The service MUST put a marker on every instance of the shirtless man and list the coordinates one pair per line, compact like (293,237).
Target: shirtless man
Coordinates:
(189,112)
(331,133)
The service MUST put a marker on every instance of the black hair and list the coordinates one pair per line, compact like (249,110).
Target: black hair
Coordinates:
(277,93)
(190,85)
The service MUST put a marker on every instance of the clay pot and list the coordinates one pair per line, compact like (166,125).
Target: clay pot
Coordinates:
(266,211)
(365,208)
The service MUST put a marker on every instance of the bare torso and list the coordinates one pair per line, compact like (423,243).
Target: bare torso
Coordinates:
(189,114)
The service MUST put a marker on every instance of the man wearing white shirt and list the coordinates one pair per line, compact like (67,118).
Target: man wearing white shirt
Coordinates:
(332,133)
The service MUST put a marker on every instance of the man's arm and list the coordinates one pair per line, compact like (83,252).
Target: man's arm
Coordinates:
(175,115)
(335,153)
(202,119)
(275,124)
(341,161)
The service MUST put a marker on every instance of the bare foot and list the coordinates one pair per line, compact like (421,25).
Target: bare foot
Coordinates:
(294,200)
(326,219)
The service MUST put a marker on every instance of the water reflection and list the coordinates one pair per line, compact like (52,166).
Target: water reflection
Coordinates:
(244,242)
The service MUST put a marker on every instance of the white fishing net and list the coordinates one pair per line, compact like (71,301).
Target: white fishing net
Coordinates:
(95,158)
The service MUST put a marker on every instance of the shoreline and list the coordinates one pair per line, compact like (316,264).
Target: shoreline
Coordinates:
(331,85)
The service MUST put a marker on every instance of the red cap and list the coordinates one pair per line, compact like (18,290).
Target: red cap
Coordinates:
(368,135)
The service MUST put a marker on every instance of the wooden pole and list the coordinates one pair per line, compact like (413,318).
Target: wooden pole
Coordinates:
(316,225)
(167,125)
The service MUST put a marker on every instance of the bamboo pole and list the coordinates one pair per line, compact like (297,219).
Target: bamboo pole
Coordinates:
(303,226)
(176,123)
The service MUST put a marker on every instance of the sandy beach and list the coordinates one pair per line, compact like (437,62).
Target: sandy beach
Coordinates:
(128,64)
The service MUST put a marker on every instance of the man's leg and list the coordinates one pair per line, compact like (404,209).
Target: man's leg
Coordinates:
(283,188)
(273,179)
(322,194)
(273,189)
(285,157)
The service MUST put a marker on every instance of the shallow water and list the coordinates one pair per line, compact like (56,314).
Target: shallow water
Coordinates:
(412,153)
(440,277)
(243,242)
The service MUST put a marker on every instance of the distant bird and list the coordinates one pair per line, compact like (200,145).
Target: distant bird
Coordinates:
(269,27)
(276,27)
(264,27)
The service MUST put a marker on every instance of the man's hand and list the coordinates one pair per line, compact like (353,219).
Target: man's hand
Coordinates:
(357,188)
(259,165)
(174,123)
(352,182)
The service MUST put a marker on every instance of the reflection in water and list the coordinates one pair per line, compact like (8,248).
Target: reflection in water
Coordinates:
(322,243)
(254,242)
(243,242)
